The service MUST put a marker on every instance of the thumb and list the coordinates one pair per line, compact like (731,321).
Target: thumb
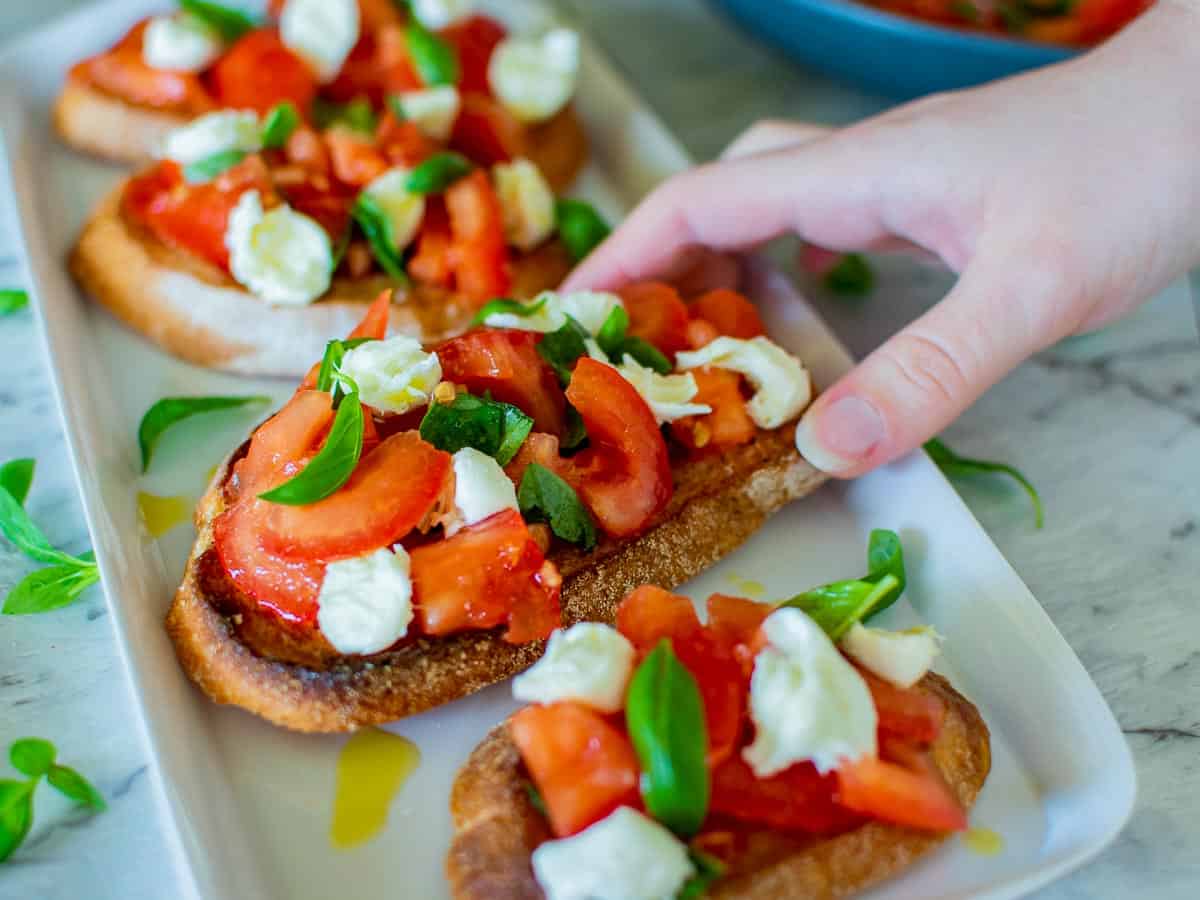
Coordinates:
(911,387)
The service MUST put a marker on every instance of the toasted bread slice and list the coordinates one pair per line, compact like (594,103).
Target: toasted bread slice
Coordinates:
(496,827)
(196,312)
(719,502)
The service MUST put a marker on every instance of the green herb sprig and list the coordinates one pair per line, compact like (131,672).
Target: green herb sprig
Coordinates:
(357,115)
(36,759)
(204,170)
(377,228)
(333,464)
(955,466)
(617,344)
(438,172)
(278,125)
(491,427)
(12,300)
(852,276)
(544,497)
(709,869)
(506,306)
(228,22)
(434,59)
(580,227)
(563,347)
(169,411)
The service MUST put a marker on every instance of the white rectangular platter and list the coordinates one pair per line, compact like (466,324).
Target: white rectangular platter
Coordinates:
(250,805)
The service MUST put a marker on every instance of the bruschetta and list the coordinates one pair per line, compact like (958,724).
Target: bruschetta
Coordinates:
(414,523)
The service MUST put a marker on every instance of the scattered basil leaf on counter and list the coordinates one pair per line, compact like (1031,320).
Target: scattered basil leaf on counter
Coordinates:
(614,341)
(357,115)
(580,227)
(211,166)
(953,465)
(280,122)
(665,716)
(491,427)
(16,814)
(433,58)
(852,276)
(502,305)
(709,869)
(75,787)
(438,172)
(50,588)
(27,537)
(230,23)
(35,757)
(378,230)
(544,497)
(170,410)
(395,103)
(562,347)
(332,466)
(16,476)
(31,756)
(12,300)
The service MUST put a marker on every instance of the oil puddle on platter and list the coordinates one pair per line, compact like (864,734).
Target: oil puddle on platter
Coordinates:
(983,841)
(161,514)
(746,586)
(371,770)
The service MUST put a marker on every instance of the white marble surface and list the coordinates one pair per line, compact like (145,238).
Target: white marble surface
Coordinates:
(1108,426)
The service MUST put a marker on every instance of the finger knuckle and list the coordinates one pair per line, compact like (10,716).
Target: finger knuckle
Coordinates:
(932,368)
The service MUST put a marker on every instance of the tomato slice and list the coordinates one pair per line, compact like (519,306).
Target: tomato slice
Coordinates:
(487,133)
(649,614)
(433,261)
(542,449)
(283,439)
(906,713)
(730,312)
(657,315)
(798,798)
(487,574)
(625,473)
(374,322)
(735,623)
(481,269)
(506,362)
(389,493)
(259,71)
(474,38)
(403,143)
(329,205)
(729,423)
(121,71)
(917,797)
(583,766)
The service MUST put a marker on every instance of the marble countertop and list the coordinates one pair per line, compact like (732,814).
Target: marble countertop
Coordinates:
(1108,427)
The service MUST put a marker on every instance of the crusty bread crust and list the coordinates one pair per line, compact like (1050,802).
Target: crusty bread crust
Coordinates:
(109,127)
(196,312)
(719,502)
(496,827)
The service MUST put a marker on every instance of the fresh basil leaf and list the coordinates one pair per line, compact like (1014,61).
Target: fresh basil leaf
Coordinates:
(27,537)
(32,756)
(535,797)
(885,556)
(281,121)
(170,410)
(332,466)
(646,354)
(580,227)
(378,230)
(357,115)
(665,716)
(851,276)
(544,497)
(16,814)
(71,784)
(506,305)
(709,869)
(562,347)
(953,465)
(395,103)
(50,588)
(16,476)
(335,352)
(230,23)
(616,344)
(491,427)
(575,433)
(438,172)
(611,335)
(433,58)
(837,606)
(12,300)
(211,166)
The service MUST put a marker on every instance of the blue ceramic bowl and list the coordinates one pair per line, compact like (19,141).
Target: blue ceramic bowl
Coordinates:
(885,53)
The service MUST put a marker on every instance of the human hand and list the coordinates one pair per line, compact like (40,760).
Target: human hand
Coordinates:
(1063,198)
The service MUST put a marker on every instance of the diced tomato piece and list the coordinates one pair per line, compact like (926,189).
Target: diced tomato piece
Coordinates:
(487,574)
(735,622)
(355,159)
(328,205)
(395,65)
(649,614)
(375,14)
(506,362)
(474,39)
(306,148)
(798,798)
(583,767)
(402,142)
(361,75)
(625,473)
(701,332)
(729,423)
(916,797)
(374,323)
(487,133)
(259,71)
(906,713)
(656,314)
(481,270)
(123,73)
(389,493)
(542,449)
(730,312)
(433,261)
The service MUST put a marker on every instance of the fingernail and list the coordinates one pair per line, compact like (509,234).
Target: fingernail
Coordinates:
(849,429)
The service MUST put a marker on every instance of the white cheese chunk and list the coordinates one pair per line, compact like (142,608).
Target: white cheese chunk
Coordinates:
(404,209)
(365,603)
(588,308)
(589,663)
(526,201)
(282,256)
(393,375)
(481,488)
(625,856)
(668,396)
(782,387)
(180,43)
(321,32)
(433,110)
(900,657)
(216,132)
(807,702)
(440,13)
(535,77)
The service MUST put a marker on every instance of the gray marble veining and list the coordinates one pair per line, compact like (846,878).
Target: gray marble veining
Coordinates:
(1108,427)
